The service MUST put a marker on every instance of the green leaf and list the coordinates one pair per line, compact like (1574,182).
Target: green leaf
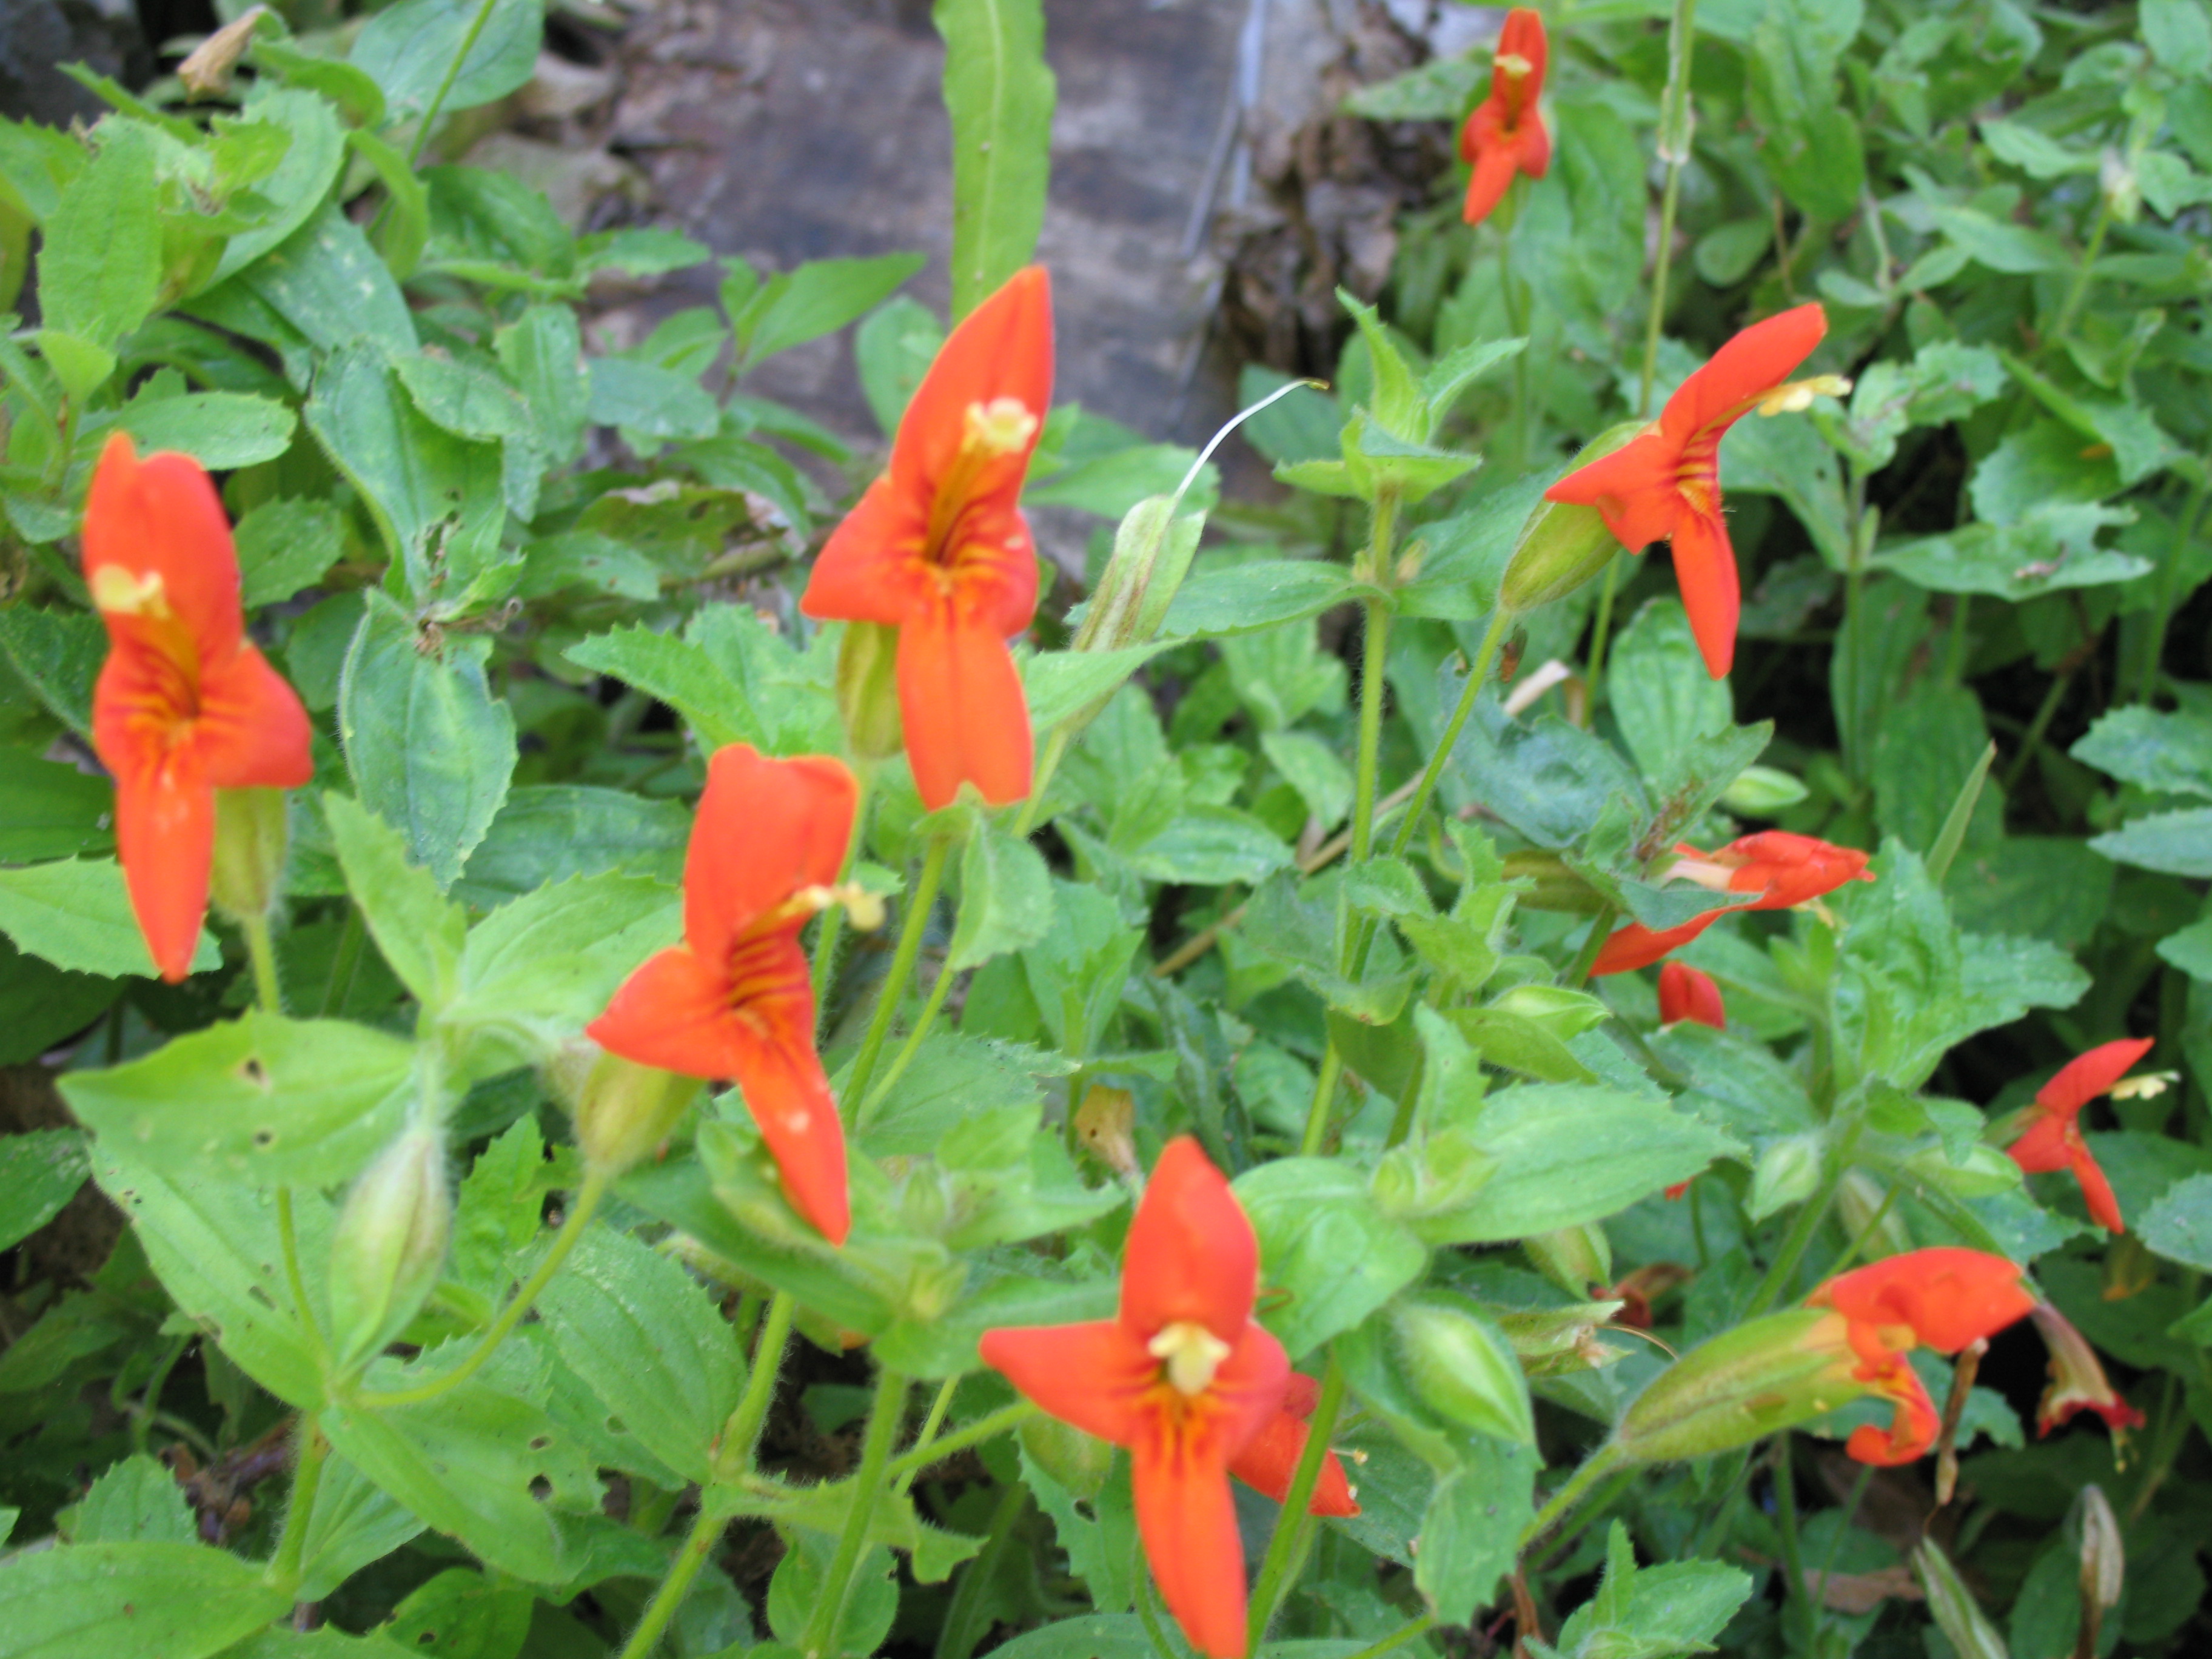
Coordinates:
(546,833)
(76,913)
(131,1600)
(2016,250)
(616,1300)
(1436,91)
(681,675)
(1253,597)
(135,1501)
(1811,145)
(54,810)
(1310,766)
(1076,971)
(1326,1246)
(58,654)
(99,262)
(2167,754)
(429,748)
(1398,406)
(952,1078)
(1471,1530)
(1000,95)
(1568,1154)
(542,352)
(40,1171)
(2052,548)
(1652,1613)
(222,430)
(40,1004)
(2179,36)
(1005,899)
(419,930)
(295,187)
(2032,151)
(462,1614)
(328,284)
(548,962)
(262,1100)
(893,350)
(404,229)
(818,297)
(2190,950)
(409,48)
(2180,1226)
(215,1247)
(2177,843)
(1207,845)
(1665,700)
(1061,684)
(353,1524)
(649,400)
(1926,747)
(286,545)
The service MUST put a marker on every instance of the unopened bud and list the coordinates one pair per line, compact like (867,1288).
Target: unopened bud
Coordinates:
(1985,1173)
(2121,189)
(1862,1202)
(1951,1605)
(1462,1367)
(1563,544)
(1767,1374)
(1153,550)
(1760,791)
(625,1111)
(1575,1259)
(251,837)
(867,690)
(1077,1461)
(206,72)
(2104,1559)
(1787,1173)
(1106,1123)
(1561,1013)
(390,1245)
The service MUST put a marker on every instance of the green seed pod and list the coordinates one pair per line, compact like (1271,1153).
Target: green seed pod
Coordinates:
(390,1245)
(250,838)
(1760,791)
(867,690)
(1787,1174)
(1767,1374)
(1951,1605)
(1563,544)
(1153,550)
(1574,1258)
(1985,1173)
(626,1110)
(1462,1367)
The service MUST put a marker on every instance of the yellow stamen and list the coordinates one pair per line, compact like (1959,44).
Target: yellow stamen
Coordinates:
(1192,1354)
(1794,397)
(1513,64)
(862,909)
(1000,427)
(2148,1086)
(123,592)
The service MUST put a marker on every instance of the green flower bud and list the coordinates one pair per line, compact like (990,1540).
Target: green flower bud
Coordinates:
(1985,1173)
(867,690)
(1077,1461)
(1787,1173)
(1760,791)
(1432,1177)
(1563,544)
(1153,550)
(1574,1258)
(1951,1605)
(1461,1365)
(1553,1341)
(250,838)
(2104,1556)
(625,1111)
(390,1245)
(1562,1012)
(1767,1374)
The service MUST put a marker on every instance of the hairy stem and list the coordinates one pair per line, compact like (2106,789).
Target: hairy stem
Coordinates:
(1294,1526)
(285,1567)
(885,1417)
(908,1464)
(922,900)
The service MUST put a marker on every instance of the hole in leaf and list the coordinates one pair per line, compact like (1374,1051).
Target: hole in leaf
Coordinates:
(541,1443)
(541,1488)
(264,1138)
(254,1071)
(615,1425)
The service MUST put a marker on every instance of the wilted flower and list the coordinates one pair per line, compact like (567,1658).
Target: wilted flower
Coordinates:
(1784,870)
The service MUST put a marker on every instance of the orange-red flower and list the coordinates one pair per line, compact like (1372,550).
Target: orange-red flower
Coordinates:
(185,704)
(1939,1298)
(1784,870)
(937,548)
(735,999)
(2078,1382)
(1665,483)
(1685,993)
(2052,1139)
(1182,1376)
(1504,134)
(1268,1464)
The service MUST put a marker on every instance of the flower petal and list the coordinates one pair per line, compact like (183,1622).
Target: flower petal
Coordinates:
(1633,489)
(1187,1520)
(164,839)
(1495,164)
(2044,1146)
(1704,569)
(673,1012)
(159,521)
(252,732)
(1911,1431)
(1095,1376)
(1785,870)
(1743,371)
(1685,993)
(1947,1296)
(1192,1254)
(1002,348)
(1268,1463)
(1638,946)
(789,1098)
(765,829)
(2082,1079)
(2096,1191)
(966,718)
(871,569)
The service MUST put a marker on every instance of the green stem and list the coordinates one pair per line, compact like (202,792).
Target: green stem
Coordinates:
(1485,658)
(698,1545)
(1793,1557)
(1516,320)
(1601,635)
(915,923)
(883,1420)
(2044,712)
(1373,676)
(1586,958)
(964,1626)
(2080,290)
(1799,1239)
(1598,1465)
(908,1464)
(452,74)
(1294,1525)
(2169,575)
(261,956)
(1397,1638)
(580,1211)
(826,936)
(1055,748)
(285,1568)
(1818,1593)
(288,1239)
(734,1452)
(1674,148)
(344,962)
(1317,1114)
(149,1401)
(931,1423)
(912,1045)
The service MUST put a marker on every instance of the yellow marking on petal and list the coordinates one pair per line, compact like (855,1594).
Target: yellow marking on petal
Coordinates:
(1001,426)
(1192,1354)
(123,592)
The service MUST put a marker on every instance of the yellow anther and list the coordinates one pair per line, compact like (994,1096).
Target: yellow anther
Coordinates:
(1192,1354)
(862,909)
(1513,64)
(1000,427)
(123,593)
(1796,396)
(2148,1086)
